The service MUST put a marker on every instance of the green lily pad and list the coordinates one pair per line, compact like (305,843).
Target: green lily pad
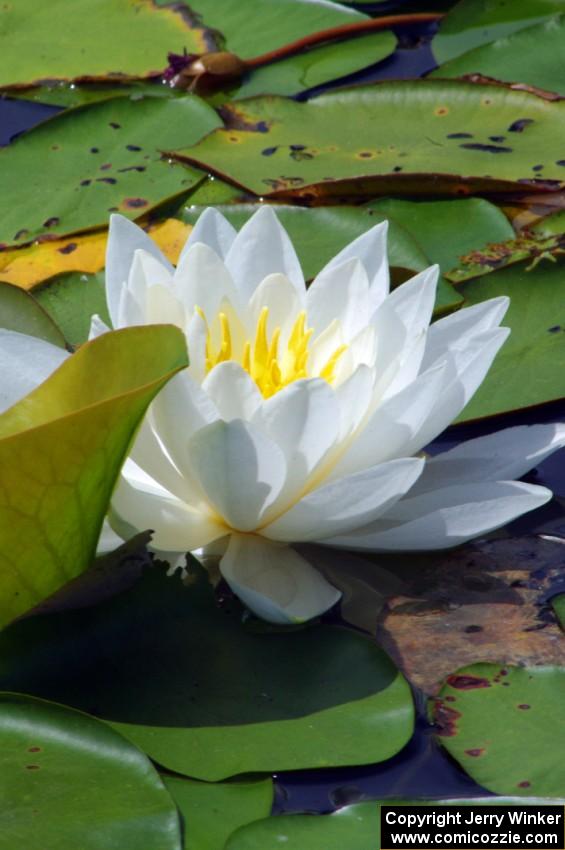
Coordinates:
(80,166)
(503,725)
(356,827)
(504,59)
(68,781)
(327,147)
(558,603)
(211,811)
(92,39)
(550,225)
(529,368)
(71,300)
(67,95)
(446,230)
(184,681)
(21,313)
(61,449)
(471,23)
(318,234)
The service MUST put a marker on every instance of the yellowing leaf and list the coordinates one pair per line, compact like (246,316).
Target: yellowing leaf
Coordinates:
(28,267)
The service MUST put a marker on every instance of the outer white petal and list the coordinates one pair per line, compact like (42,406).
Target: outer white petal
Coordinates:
(456,330)
(274,581)
(202,280)
(354,397)
(233,391)
(414,300)
(26,363)
(279,295)
(466,371)
(240,470)
(501,456)
(213,230)
(176,527)
(97,327)
(347,503)
(303,420)
(124,238)
(448,517)
(370,248)
(262,247)
(129,311)
(391,429)
(146,272)
(148,456)
(340,292)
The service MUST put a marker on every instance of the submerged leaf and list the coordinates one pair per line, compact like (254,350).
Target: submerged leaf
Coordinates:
(61,449)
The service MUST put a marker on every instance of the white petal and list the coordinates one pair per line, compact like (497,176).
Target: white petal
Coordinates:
(262,247)
(213,230)
(370,248)
(303,420)
(124,238)
(202,280)
(108,540)
(448,517)
(274,581)
(240,470)
(129,311)
(146,272)
(149,456)
(414,300)
(196,332)
(340,292)
(456,330)
(347,503)
(501,456)
(97,327)
(175,526)
(278,294)
(391,429)
(354,397)
(233,391)
(26,362)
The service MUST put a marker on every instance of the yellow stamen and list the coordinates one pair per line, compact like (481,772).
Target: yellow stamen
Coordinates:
(328,372)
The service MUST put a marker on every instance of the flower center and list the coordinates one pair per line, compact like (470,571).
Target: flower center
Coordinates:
(271,364)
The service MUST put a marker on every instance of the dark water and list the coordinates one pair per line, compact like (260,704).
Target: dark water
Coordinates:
(421,769)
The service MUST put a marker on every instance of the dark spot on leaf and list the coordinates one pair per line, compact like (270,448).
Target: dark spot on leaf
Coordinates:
(297,147)
(106,166)
(114,125)
(20,234)
(51,222)
(467,683)
(506,684)
(298,155)
(85,182)
(133,148)
(554,329)
(137,168)
(524,706)
(94,150)
(55,147)
(34,749)
(470,630)
(445,720)
(537,167)
(560,162)
(112,209)
(397,168)
(504,672)
(524,784)
(269,151)
(520,125)
(365,154)
(450,699)
(477,146)
(262,127)
(459,136)
(110,180)
(68,249)
(497,138)
(32,767)
(478,751)
(135,203)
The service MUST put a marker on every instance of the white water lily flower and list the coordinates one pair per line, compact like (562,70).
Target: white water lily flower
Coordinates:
(302,413)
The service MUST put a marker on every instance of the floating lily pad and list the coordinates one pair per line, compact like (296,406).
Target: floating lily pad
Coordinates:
(558,603)
(504,59)
(503,725)
(211,811)
(474,22)
(20,312)
(68,781)
(104,38)
(446,230)
(327,147)
(71,300)
(529,368)
(229,700)
(355,827)
(80,166)
(61,449)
